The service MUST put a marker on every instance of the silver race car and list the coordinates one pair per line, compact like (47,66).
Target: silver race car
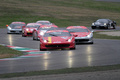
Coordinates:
(15,27)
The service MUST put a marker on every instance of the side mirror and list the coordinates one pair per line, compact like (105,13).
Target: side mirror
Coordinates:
(6,25)
(23,26)
(74,35)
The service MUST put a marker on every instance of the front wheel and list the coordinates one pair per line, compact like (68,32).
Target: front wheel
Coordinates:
(107,27)
(42,49)
(92,43)
(23,35)
(113,26)
(93,27)
(34,38)
(73,48)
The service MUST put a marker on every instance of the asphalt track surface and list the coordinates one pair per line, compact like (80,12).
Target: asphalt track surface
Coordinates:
(102,52)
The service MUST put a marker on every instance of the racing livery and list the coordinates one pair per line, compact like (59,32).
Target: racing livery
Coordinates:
(28,30)
(15,27)
(37,33)
(57,39)
(82,34)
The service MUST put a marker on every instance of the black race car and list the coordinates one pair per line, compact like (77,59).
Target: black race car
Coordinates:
(103,23)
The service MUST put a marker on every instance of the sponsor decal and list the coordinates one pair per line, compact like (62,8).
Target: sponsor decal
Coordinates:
(49,39)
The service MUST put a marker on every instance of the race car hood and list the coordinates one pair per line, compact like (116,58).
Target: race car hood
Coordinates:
(42,31)
(99,23)
(17,27)
(80,34)
(55,39)
(30,29)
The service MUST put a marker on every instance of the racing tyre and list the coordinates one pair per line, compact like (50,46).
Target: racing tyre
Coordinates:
(42,49)
(34,38)
(107,26)
(113,27)
(91,43)
(93,27)
(73,48)
(23,35)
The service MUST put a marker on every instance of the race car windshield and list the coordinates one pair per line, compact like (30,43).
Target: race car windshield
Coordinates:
(47,28)
(102,20)
(44,23)
(78,30)
(57,34)
(14,25)
(32,26)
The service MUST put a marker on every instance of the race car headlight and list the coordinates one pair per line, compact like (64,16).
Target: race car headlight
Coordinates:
(9,28)
(42,33)
(45,41)
(31,29)
(90,35)
(27,29)
(69,40)
(105,24)
(93,23)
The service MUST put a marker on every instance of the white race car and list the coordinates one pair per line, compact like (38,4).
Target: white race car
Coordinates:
(15,27)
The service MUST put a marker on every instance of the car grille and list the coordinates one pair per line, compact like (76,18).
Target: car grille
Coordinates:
(16,31)
(81,40)
(58,45)
(29,33)
(13,31)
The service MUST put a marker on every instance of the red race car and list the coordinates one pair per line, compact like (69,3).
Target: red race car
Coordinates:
(37,33)
(82,34)
(28,30)
(57,39)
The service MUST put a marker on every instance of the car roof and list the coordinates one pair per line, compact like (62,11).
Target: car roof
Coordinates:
(57,30)
(18,23)
(46,26)
(72,27)
(33,24)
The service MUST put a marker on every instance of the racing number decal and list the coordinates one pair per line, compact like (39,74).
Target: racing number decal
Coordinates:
(49,39)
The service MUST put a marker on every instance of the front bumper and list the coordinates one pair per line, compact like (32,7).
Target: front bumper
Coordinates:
(83,40)
(14,31)
(28,34)
(99,26)
(57,45)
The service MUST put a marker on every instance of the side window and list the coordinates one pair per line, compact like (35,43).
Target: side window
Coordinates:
(38,28)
